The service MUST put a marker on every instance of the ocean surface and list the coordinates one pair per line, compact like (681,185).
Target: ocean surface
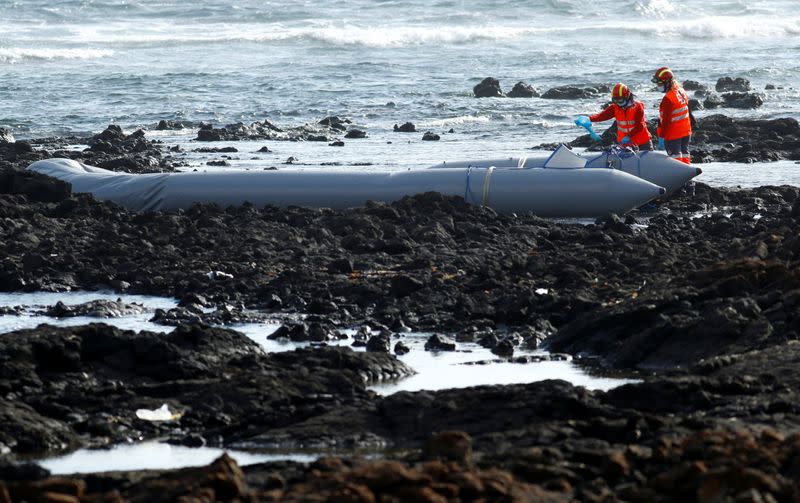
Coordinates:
(76,66)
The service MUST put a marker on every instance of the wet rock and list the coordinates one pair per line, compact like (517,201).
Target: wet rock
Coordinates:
(693,85)
(341,266)
(168,125)
(722,138)
(6,136)
(488,88)
(523,90)
(95,309)
(401,349)
(742,100)
(404,285)
(729,84)
(695,105)
(574,92)
(355,133)
(216,150)
(35,186)
(406,127)
(429,136)
(379,344)
(337,143)
(504,347)
(438,342)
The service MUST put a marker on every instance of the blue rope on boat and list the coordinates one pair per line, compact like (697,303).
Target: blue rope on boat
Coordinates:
(467,189)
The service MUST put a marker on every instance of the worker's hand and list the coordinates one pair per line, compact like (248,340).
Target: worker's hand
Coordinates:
(625,140)
(582,121)
(661,144)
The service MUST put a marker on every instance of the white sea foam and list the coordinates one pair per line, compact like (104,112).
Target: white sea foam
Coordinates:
(661,20)
(721,27)
(18,54)
(455,121)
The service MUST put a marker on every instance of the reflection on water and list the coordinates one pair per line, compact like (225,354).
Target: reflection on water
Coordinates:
(154,456)
(37,301)
(471,365)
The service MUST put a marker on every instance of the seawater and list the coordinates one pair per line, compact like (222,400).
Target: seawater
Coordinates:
(75,66)
(470,365)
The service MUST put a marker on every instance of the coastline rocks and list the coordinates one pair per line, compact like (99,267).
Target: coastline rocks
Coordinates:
(693,85)
(733,100)
(574,92)
(34,186)
(429,136)
(406,127)
(523,90)
(266,130)
(356,133)
(67,387)
(438,342)
(488,88)
(235,132)
(729,84)
(721,138)
(6,136)
(95,309)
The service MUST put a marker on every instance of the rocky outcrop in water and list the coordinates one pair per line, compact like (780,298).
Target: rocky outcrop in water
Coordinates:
(575,92)
(266,130)
(523,90)
(739,84)
(488,88)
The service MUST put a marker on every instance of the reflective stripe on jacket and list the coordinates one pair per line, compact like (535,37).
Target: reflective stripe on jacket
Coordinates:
(674,114)
(630,121)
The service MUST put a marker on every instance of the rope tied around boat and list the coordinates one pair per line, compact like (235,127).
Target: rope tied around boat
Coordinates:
(486,184)
(624,153)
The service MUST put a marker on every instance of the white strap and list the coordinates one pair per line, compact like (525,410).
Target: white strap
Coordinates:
(486,180)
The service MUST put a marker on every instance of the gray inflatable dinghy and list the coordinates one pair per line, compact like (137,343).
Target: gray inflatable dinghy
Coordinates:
(654,167)
(561,188)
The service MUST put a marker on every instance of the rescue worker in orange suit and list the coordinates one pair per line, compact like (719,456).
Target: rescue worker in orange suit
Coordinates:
(629,113)
(675,126)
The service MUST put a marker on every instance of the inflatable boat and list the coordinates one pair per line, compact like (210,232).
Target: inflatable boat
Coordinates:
(563,187)
(654,167)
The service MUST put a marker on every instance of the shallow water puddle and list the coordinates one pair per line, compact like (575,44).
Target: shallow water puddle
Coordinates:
(473,365)
(154,455)
(469,365)
(36,301)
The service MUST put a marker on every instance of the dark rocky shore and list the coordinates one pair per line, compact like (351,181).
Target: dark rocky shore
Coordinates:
(697,298)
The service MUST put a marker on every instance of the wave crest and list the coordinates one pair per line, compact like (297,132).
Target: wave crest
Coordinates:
(19,54)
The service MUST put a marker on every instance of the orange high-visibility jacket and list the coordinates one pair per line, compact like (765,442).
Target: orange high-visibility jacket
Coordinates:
(674,110)
(630,122)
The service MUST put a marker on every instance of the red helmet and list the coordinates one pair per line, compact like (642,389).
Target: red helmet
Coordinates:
(663,74)
(620,93)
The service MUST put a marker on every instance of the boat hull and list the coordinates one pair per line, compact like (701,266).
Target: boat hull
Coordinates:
(546,192)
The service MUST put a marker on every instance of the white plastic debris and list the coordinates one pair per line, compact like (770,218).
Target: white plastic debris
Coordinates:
(219,275)
(541,291)
(160,414)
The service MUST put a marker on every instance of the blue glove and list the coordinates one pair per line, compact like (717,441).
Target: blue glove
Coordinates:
(661,144)
(625,140)
(583,121)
